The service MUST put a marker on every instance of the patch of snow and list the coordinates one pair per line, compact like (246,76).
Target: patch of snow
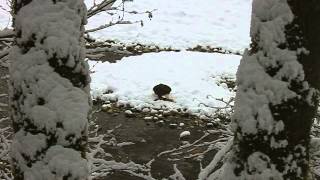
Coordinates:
(189,74)
(182,23)
(179,23)
(5,17)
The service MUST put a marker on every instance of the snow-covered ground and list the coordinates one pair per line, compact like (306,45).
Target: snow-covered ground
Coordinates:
(191,75)
(178,23)
(184,23)
(5,18)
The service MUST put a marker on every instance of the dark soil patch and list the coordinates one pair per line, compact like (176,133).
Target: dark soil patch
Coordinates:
(209,49)
(135,49)
(149,140)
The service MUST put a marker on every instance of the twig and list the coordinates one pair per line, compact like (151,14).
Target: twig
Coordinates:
(107,49)
(204,174)
(97,8)
(184,147)
(4,53)
(109,25)
(227,103)
(6,33)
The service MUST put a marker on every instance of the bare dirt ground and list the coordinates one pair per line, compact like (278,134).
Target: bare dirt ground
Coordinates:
(148,141)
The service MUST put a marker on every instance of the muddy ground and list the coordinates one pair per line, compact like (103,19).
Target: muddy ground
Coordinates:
(150,138)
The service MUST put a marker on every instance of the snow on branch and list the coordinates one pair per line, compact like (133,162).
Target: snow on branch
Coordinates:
(100,7)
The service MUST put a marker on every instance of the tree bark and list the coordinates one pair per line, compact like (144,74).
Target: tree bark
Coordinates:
(49,90)
(277,97)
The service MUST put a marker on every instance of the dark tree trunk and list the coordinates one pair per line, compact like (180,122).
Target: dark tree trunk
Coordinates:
(49,90)
(274,114)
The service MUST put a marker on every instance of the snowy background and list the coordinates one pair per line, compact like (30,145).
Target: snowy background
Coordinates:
(194,78)
(179,24)
(184,23)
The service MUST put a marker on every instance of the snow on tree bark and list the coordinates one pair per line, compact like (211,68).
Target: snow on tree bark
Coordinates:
(276,100)
(49,90)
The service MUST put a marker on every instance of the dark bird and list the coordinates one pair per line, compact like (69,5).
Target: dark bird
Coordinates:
(161,90)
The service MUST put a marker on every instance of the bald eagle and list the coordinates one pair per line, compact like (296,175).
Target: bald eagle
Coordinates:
(162,90)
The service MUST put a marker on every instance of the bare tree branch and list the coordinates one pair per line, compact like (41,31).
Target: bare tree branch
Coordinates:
(4,53)
(6,33)
(109,25)
(97,8)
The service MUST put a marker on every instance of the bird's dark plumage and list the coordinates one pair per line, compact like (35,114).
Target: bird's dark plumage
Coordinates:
(161,90)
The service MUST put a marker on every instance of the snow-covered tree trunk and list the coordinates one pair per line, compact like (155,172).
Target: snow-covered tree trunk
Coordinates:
(278,81)
(49,90)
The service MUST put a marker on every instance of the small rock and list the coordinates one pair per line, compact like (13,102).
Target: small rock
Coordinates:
(181,124)
(185,114)
(173,125)
(160,123)
(209,125)
(147,118)
(105,107)
(224,85)
(128,113)
(153,111)
(109,111)
(115,114)
(204,117)
(184,143)
(145,110)
(185,134)
(166,113)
